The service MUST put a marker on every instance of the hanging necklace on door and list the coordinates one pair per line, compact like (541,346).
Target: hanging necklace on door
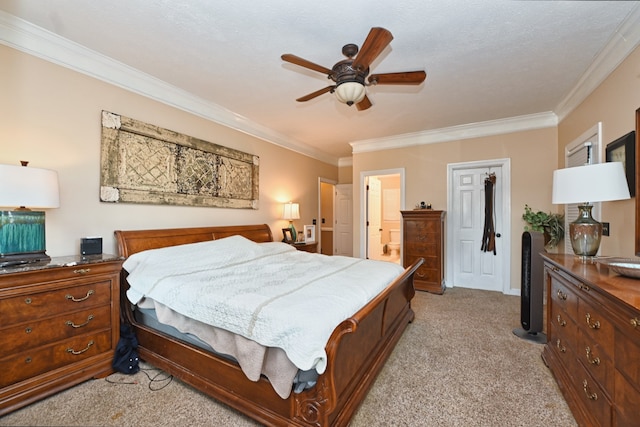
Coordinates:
(489,236)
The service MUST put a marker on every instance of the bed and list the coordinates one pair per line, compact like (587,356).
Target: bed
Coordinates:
(355,351)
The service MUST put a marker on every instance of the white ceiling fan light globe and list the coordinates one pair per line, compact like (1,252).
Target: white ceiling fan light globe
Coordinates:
(350,92)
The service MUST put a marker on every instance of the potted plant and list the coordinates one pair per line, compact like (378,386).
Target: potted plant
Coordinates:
(551,224)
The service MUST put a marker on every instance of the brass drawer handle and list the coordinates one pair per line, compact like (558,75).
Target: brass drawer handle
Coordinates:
(420,275)
(584,287)
(73,325)
(561,322)
(27,301)
(592,325)
(562,348)
(89,293)
(76,352)
(82,270)
(562,295)
(592,360)
(585,387)
(635,322)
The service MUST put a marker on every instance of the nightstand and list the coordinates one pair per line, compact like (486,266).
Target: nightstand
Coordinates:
(307,247)
(59,323)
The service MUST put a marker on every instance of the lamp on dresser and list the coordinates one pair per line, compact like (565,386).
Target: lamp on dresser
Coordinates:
(291,211)
(599,182)
(22,230)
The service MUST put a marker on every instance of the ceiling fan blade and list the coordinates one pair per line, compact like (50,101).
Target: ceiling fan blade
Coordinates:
(364,104)
(304,63)
(406,78)
(316,93)
(376,41)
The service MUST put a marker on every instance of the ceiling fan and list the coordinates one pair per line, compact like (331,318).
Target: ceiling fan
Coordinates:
(350,74)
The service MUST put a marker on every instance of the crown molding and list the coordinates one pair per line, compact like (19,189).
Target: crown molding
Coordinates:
(456,133)
(625,40)
(345,162)
(36,41)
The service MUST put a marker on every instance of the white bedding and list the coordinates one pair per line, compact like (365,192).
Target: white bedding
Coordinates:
(267,292)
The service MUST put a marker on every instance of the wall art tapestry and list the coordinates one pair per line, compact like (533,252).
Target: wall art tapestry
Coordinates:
(143,163)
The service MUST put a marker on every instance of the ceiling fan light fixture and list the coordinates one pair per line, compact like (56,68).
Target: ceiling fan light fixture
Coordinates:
(350,92)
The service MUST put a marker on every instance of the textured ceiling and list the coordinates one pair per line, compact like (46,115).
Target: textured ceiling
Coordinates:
(485,59)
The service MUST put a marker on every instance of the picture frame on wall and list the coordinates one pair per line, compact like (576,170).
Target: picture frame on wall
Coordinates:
(623,150)
(309,233)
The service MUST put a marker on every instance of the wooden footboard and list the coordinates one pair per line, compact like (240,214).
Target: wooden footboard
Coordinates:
(356,351)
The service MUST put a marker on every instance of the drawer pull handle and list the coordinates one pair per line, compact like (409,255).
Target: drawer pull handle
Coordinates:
(584,287)
(27,360)
(562,348)
(635,322)
(27,301)
(585,387)
(562,295)
(592,360)
(592,325)
(28,330)
(561,322)
(76,352)
(89,293)
(73,325)
(82,270)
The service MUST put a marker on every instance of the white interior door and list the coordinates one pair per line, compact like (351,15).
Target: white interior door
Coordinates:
(470,266)
(343,230)
(374,222)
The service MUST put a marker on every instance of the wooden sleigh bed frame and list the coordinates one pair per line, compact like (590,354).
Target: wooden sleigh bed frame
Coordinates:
(356,351)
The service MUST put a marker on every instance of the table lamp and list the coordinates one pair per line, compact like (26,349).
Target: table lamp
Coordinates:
(22,230)
(291,211)
(599,182)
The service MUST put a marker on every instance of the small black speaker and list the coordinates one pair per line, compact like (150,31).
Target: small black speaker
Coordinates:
(91,245)
(532,288)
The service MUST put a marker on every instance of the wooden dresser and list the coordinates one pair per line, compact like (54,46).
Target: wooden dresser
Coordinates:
(59,326)
(423,237)
(593,348)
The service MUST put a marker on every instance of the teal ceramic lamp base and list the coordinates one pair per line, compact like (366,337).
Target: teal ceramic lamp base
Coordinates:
(294,234)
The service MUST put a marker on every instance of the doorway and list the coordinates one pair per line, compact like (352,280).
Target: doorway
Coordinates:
(466,264)
(382,200)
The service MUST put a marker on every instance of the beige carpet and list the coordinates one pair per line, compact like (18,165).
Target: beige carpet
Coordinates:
(458,364)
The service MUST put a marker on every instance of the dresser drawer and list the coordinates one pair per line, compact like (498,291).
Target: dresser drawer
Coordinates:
(596,362)
(598,326)
(563,296)
(416,230)
(41,332)
(28,364)
(39,305)
(627,402)
(592,397)
(562,327)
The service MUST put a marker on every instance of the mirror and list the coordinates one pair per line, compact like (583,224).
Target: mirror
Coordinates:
(637,182)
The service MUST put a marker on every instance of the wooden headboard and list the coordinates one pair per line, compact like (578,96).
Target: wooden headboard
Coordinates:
(133,241)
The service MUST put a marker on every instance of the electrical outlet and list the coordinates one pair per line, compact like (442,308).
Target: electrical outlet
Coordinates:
(605,228)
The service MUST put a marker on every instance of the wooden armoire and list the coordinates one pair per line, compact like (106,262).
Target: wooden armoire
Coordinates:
(423,237)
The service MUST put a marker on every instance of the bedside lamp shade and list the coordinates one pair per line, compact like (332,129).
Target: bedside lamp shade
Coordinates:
(291,211)
(599,182)
(22,231)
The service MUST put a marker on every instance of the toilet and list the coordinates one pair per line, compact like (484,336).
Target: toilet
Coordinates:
(394,242)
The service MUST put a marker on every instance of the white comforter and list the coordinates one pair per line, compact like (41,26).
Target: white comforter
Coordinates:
(267,292)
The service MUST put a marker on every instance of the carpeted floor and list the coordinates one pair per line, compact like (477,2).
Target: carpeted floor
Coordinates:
(458,364)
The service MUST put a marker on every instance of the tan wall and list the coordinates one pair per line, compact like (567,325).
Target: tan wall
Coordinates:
(345,175)
(533,157)
(614,104)
(51,117)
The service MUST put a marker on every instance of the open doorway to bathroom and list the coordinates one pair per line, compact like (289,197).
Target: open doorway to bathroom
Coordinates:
(384,199)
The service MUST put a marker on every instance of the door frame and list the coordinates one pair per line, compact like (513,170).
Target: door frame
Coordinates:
(505,165)
(318,223)
(363,203)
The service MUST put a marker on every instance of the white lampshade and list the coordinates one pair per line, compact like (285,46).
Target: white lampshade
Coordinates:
(28,187)
(291,211)
(350,92)
(600,182)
